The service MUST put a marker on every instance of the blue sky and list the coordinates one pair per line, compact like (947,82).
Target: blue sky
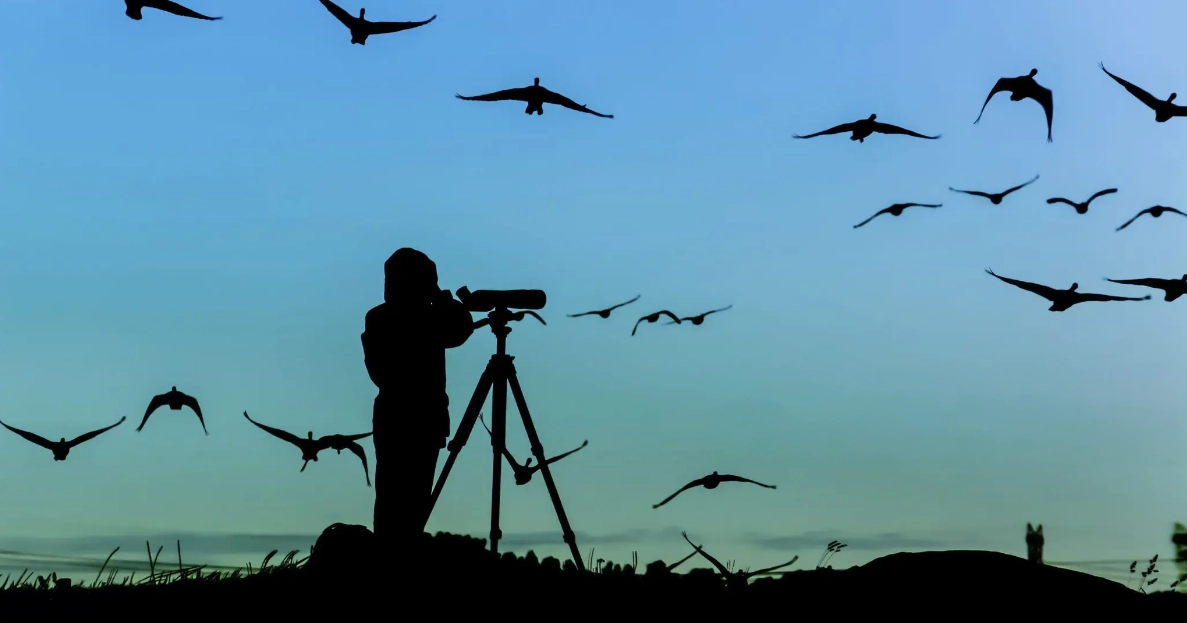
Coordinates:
(209,205)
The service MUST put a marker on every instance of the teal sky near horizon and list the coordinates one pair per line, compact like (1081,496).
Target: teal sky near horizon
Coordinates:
(209,205)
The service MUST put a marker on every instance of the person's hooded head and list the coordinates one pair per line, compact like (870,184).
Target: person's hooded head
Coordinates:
(409,277)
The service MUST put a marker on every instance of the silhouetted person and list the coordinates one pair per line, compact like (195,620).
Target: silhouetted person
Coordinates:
(897,210)
(863,128)
(360,28)
(1082,208)
(604,313)
(536,97)
(523,473)
(994,198)
(711,482)
(699,319)
(135,7)
(404,344)
(175,401)
(650,318)
(1020,88)
(1155,212)
(1174,288)
(62,447)
(310,447)
(1062,300)
(1164,110)
(735,579)
(1034,544)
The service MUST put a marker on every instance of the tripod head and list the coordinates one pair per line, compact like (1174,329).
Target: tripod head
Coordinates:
(498,305)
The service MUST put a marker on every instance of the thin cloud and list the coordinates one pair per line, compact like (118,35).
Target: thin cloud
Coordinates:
(554,537)
(192,543)
(818,539)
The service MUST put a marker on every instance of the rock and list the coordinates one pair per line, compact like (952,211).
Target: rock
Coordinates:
(343,551)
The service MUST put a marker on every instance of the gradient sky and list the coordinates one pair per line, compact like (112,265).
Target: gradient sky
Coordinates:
(209,205)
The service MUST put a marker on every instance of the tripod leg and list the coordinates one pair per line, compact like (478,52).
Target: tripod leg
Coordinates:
(464,428)
(498,439)
(538,451)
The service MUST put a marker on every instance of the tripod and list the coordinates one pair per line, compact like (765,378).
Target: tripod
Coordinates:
(499,375)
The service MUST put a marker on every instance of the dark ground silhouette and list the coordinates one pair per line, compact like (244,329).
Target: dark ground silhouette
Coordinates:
(1154,212)
(404,342)
(897,210)
(994,198)
(175,400)
(361,28)
(536,97)
(863,128)
(62,447)
(310,447)
(1062,300)
(1020,88)
(1164,110)
(134,9)
(1082,208)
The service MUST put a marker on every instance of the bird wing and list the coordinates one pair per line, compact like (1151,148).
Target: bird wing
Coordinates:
(717,310)
(1149,283)
(969,192)
(515,466)
(1004,193)
(775,568)
(1107,191)
(37,439)
(584,314)
(383,28)
(358,451)
(696,483)
(276,432)
(154,404)
(1174,211)
(1092,296)
(95,433)
(192,403)
(1044,291)
(1134,90)
(887,128)
(840,129)
(637,323)
(1043,96)
(923,205)
(176,9)
(732,478)
(876,215)
(1135,217)
(716,563)
(669,315)
(350,438)
(563,455)
(346,18)
(1002,84)
(552,97)
(626,303)
(520,94)
(1062,200)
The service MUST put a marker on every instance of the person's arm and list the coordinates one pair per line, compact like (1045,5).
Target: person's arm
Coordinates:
(455,325)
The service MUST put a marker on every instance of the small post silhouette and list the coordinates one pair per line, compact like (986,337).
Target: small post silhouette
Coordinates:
(1034,543)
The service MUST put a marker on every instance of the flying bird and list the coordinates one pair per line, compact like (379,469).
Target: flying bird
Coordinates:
(994,198)
(654,317)
(175,401)
(1155,212)
(1020,88)
(863,128)
(710,482)
(536,97)
(1174,288)
(735,577)
(604,313)
(523,473)
(1164,110)
(310,447)
(62,447)
(1061,300)
(699,319)
(1082,208)
(897,210)
(361,28)
(135,7)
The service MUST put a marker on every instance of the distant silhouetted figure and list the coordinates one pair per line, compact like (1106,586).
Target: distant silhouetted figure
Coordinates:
(404,344)
(523,473)
(1061,300)
(61,448)
(699,319)
(710,482)
(1164,110)
(360,28)
(175,400)
(1020,88)
(863,128)
(994,198)
(654,317)
(1082,208)
(536,96)
(735,579)
(604,313)
(1155,212)
(897,210)
(310,447)
(1174,288)
(1034,544)
(134,8)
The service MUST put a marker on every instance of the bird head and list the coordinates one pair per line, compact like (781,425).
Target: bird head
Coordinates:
(1073,288)
(310,435)
(1172,97)
(872,117)
(1032,73)
(1184,278)
(362,12)
(536,82)
(62,440)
